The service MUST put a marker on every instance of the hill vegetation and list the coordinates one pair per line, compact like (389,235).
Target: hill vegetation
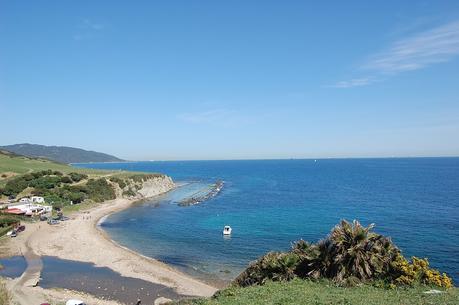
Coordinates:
(61,184)
(60,154)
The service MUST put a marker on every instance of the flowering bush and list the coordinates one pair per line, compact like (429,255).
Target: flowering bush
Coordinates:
(418,271)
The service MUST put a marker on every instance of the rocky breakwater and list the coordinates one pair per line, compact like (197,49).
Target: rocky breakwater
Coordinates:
(203,196)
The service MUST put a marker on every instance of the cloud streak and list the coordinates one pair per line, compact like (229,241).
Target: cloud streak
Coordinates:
(415,52)
(355,82)
(434,46)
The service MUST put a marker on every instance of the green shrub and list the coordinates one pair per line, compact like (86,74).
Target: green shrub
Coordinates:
(129,193)
(14,186)
(417,272)
(77,177)
(144,177)
(274,266)
(39,180)
(99,190)
(76,195)
(45,182)
(66,179)
(120,182)
(8,220)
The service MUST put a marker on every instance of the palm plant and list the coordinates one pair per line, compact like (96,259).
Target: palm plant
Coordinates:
(358,252)
(314,259)
(275,266)
(351,253)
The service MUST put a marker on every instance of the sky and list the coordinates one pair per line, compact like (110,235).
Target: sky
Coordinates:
(186,80)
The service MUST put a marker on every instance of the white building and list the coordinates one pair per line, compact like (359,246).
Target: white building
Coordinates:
(29,208)
(38,199)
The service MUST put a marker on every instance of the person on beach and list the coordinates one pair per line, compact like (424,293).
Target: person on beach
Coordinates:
(138,302)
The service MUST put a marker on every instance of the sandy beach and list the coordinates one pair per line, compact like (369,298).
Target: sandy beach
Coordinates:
(80,239)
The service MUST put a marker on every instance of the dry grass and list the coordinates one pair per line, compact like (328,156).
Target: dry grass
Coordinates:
(5,295)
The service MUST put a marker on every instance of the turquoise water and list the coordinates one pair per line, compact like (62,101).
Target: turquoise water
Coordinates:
(271,203)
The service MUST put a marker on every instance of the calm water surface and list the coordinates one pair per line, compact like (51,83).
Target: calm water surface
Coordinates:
(271,203)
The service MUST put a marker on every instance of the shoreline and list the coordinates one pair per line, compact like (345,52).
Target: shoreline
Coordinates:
(82,239)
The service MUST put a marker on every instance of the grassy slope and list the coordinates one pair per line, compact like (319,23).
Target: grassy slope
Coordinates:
(303,292)
(12,163)
(21,165)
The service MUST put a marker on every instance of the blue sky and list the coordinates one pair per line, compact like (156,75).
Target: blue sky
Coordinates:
(232,79)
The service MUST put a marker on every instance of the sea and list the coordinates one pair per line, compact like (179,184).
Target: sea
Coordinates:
(272,203)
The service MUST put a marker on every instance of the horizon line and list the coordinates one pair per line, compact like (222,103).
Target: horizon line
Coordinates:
(274,159)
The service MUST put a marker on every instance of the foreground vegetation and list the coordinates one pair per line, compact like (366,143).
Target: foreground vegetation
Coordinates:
(308,292)
(352,265)
(350,255)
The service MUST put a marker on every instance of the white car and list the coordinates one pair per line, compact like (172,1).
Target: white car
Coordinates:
(75,302)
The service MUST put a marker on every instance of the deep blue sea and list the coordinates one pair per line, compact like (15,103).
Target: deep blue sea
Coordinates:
(271,203)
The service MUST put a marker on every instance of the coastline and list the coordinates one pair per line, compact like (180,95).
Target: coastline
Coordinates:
(82,239)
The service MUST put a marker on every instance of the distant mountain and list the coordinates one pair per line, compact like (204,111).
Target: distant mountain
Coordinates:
(60,154)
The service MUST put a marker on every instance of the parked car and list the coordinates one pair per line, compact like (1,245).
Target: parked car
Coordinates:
(53,221)
(14,234)
(75,302)
(43,218)
(20,229)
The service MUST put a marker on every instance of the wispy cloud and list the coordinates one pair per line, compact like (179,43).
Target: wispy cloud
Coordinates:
(415,52)
(220,117)
(86,29)
(356,82)
(434,46)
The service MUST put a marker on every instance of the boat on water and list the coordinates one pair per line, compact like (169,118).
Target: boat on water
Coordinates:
(227,230)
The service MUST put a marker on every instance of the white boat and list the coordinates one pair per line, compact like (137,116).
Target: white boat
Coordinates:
(227,230)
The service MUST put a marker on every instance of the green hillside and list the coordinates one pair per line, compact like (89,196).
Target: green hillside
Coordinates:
(12,164)
(305,292)
(60,154)
(63,184)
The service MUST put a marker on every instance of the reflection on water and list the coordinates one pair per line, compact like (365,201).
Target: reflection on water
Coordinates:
(100,281)
(13,266)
